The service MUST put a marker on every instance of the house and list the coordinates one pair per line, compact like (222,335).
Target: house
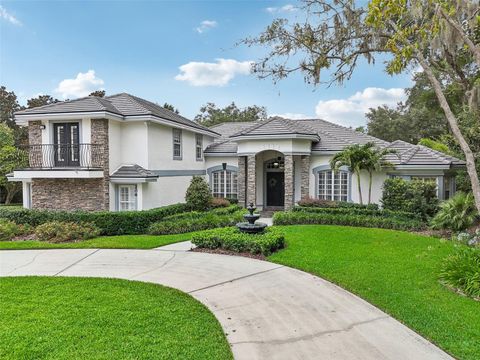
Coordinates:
(122,152)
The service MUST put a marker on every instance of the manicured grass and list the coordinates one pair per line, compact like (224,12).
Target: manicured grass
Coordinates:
(104,242)
(395,271)
(88,318)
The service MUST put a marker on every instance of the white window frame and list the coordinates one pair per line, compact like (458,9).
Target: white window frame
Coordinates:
(177,141)
(327,187)
(131,202)
(222,181)
(199,147)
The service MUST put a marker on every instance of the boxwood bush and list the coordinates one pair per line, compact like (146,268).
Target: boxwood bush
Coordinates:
(347,219)
(232,239)
(320,203)
(360,211)
(109,223)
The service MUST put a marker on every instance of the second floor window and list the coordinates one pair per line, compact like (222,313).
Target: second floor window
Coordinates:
(177,144)
(199,146)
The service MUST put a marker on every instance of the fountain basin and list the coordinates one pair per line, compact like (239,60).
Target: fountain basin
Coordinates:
(251,228)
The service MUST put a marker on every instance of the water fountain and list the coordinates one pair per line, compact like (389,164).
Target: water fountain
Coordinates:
(251,227)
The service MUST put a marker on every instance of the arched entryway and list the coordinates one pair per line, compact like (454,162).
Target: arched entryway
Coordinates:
(274,182)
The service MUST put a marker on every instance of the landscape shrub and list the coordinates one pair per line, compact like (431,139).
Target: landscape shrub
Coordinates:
(457,213)
(109,223)
(232,239)
(198,196)
(9,229)
(57,231)
(359,211)
(312,202)
(466,238)
(202,221)
(461,271)
(302,217)
(411,196)
(219,203)
(197,214)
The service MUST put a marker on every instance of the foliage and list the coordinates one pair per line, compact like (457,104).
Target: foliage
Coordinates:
(219,202)
(98,93)
(171,108)
(110,223)
(8,230)
(411,196)
(401,215)
(271,240)
(314,202)
(56,231)
(41,100)
(457,213)
(211,115)
(346,219)
(8,105)
(435,145)
(195,222)
(461,271)
(198,195)
(468,239)
(92,318)
(396,271)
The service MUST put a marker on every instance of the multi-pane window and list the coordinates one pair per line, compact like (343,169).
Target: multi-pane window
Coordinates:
(127,197)
(333,185)
(224,184)
(199,146)
(177,144)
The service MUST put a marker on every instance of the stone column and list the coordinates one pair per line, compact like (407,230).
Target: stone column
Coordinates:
(289,182)
(35,155)
(251,186)
(100,155)
(305,177)
(241,178)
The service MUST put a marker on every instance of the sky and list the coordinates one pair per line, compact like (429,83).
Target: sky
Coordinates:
(179,52)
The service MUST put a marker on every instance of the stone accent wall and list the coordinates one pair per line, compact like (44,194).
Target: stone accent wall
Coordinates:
(241,177)
(99,131)
(251,181)
(68,194)
(35,138)
(289,182)
(305,176)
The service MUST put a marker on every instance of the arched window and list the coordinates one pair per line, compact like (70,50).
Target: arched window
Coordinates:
(333,185)
(224,184)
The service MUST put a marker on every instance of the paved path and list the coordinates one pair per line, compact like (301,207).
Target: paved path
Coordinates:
(268,311)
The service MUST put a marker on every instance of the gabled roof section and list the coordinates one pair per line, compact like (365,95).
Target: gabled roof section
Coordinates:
(225,145)
(278,127)
(133,171)
(124,105)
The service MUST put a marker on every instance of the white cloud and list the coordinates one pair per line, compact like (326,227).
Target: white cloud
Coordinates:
(283,9)
(4,14)
(82,85)
(218,73)
(206,25)
(351,111)
(293,116)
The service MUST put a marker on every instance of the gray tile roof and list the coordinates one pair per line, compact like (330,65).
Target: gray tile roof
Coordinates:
(277,126)
(120,104)
(132,171)
(334,138)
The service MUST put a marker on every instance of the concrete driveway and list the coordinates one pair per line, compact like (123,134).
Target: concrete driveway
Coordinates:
(268,311)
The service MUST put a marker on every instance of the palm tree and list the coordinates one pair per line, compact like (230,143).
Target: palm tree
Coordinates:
(353,157)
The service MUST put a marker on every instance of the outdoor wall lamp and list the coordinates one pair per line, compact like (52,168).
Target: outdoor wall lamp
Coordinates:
(224,166)
(43,127)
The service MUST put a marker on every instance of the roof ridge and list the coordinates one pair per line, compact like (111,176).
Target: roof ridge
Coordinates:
(233,122)
(255,126)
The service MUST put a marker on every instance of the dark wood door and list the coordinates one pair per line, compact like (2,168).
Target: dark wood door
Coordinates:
(275,188)
(66,144)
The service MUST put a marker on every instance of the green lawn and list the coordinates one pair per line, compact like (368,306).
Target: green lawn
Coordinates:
(88,318)
(395,271)
(104,242)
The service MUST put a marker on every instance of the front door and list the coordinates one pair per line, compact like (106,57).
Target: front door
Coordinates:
(66,144)
(275,189)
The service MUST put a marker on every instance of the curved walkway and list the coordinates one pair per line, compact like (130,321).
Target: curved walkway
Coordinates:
(268,311)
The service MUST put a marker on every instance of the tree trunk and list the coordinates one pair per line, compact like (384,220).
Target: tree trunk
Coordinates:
(452,121)
(359,188)
(369,187)
(10,194)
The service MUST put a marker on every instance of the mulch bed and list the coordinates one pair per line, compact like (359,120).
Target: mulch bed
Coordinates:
(231,253)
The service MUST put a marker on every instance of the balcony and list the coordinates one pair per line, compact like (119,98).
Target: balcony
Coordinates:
(61,161)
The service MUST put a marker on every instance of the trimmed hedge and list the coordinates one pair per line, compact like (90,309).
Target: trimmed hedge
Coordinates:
(196,214)
(194,221)
(109,223)
(302,217)
(320,203)
(360,211)
(232,239)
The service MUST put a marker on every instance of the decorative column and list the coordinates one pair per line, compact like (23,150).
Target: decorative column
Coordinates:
(241,180)
(251,186)
(305,177)
(289,182)
(99,155)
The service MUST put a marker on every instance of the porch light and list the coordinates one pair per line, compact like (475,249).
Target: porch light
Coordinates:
(224,166)
(275,164)
(43,127)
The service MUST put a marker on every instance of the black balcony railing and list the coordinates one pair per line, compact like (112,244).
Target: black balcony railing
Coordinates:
(49,156)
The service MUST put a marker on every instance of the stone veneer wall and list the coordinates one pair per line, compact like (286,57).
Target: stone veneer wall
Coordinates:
(241,177)
(305,176)
(99,131)
(251,181)
(289,182)
(35,138)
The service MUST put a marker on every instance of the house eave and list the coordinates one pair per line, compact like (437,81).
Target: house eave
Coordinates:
(275,136)
(23,119)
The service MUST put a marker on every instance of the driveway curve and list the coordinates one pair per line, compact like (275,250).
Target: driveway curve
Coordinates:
(268,311)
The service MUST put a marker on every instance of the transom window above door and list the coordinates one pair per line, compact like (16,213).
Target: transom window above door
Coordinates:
(277,163)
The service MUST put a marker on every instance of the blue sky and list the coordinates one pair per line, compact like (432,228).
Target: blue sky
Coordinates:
(167,51)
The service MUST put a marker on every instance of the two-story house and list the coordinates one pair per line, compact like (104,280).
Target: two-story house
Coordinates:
(122,152)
